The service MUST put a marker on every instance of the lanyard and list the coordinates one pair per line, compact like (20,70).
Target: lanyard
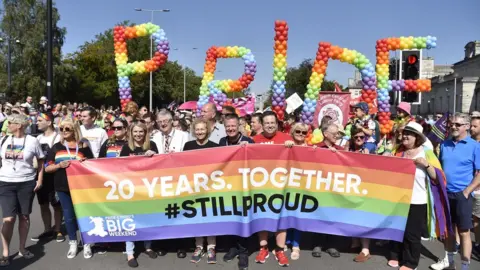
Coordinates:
(239,140)
(14,156)
(68,151)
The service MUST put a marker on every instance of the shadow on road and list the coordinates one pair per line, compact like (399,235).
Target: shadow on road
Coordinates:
(19,263)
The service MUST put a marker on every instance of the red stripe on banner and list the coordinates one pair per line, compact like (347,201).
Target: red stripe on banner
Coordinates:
(253,152)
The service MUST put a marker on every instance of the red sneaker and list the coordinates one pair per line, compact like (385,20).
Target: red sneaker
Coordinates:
(262,256)
(281,258)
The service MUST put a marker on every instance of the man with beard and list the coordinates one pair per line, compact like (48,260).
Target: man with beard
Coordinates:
(475,133)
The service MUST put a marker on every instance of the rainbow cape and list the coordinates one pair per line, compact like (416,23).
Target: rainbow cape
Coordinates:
(438,209)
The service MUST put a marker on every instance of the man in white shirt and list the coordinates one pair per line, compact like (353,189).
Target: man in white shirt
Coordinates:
(209,113)
(168,140)
(95,135)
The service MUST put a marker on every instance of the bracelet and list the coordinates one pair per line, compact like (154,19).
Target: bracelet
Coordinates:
(427,166)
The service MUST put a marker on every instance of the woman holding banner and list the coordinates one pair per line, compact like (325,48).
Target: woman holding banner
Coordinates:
(201,130)
(357,145)
(71,147)
(299,133)
(428,196)
(139,144)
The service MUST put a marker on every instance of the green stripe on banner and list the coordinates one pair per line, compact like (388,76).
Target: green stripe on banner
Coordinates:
(150,206)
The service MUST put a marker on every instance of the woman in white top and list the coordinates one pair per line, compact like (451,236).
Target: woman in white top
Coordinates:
(407,254)
(18,182)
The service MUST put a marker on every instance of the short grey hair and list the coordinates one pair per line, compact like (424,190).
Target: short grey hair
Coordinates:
(464,116)
(326,127)
(166,113)
(18,119)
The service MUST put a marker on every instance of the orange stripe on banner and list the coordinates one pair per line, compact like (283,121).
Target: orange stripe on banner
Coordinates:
(231,168)
(252,152)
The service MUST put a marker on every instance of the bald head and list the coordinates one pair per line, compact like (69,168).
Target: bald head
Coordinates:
(209,112)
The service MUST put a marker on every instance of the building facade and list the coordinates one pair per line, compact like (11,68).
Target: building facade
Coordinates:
(458,91)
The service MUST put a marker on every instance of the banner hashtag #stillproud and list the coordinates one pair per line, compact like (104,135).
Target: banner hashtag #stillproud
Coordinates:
(172,211)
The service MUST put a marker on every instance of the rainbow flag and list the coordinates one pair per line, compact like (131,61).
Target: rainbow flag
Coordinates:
(241,190)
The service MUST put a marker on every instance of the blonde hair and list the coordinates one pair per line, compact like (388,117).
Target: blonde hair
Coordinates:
(68,121)
(202,121)
(131,143)
(296,126)
(18,119)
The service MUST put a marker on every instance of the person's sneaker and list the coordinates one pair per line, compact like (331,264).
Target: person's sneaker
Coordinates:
(262,256)
(87,251)
(243,261)
(281,258)
(60,237)
(132,263)
(211,256)
(73,249)
(442,265)
(43,236)
(197,255)
(230,255)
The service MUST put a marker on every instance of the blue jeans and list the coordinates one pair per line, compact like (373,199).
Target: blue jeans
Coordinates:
(293,237)
(68,214)
(130,247)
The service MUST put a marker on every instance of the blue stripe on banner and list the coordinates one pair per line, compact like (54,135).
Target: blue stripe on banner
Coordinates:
(327,214)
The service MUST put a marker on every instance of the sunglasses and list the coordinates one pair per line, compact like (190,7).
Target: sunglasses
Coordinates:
(65,129)
(359,137)
(301,132)
(458,124)
(117,128)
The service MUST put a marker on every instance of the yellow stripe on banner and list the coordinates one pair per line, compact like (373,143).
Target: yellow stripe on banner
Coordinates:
(233,183)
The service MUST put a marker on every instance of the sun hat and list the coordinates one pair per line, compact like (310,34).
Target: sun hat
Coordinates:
(416,128)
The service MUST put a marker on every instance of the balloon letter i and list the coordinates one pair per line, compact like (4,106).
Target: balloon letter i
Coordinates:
(279,68)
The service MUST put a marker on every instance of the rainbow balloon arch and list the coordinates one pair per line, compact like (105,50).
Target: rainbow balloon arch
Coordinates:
(375,79)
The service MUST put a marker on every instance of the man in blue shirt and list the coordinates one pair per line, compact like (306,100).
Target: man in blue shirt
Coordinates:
(460,158)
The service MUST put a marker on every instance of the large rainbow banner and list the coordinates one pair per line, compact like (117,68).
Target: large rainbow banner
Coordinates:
(241,190)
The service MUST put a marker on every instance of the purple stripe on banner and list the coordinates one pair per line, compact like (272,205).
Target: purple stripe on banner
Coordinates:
(245,230)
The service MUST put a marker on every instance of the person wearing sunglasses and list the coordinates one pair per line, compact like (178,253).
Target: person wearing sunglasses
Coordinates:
(460,158)
(112,147)
(19,180)
(71,147)
(299,132)
(357,145)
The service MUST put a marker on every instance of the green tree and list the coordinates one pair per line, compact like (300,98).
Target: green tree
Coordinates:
(298,78)
(26,21)
(96,74)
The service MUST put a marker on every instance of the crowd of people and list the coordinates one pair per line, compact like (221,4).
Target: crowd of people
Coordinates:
(38,143)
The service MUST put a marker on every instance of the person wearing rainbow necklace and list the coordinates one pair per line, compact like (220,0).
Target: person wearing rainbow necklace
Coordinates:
(429,203)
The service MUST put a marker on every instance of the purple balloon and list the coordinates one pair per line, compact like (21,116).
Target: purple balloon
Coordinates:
(274,103)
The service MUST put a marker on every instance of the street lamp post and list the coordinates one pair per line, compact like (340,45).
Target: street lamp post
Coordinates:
(454,93)
(151,50)
(9,60)
(185,78)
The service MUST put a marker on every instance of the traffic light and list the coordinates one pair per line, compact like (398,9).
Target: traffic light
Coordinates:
(411,71)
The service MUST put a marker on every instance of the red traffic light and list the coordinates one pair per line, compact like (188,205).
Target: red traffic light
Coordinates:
(412,59)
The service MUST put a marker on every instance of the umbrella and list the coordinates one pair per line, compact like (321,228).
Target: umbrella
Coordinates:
(189,105)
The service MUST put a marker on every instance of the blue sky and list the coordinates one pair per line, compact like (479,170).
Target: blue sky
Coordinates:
(354,24)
